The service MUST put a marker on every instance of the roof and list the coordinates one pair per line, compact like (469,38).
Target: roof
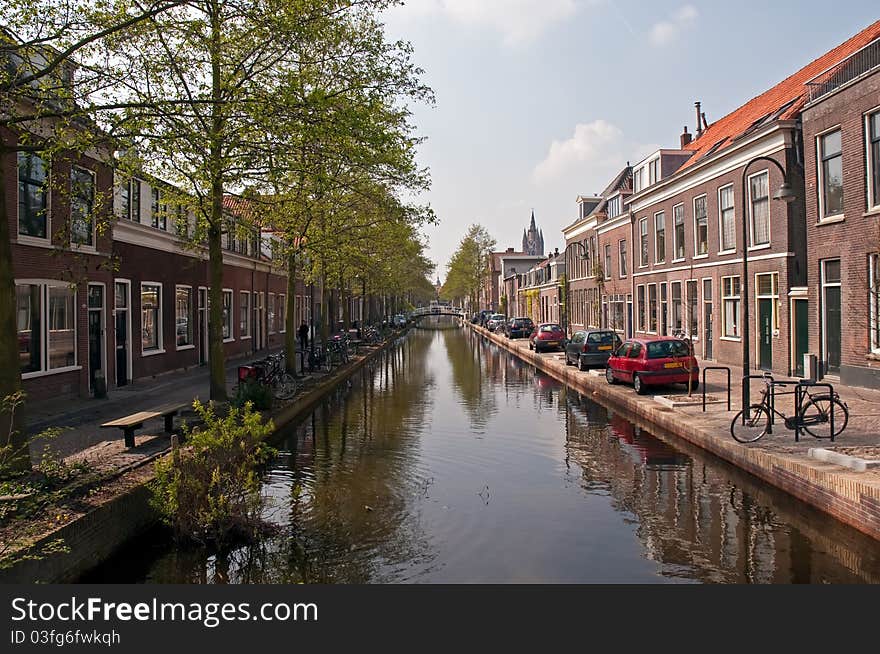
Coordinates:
(782,102)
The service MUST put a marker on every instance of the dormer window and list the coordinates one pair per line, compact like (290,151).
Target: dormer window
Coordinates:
(614,206)
(654,171)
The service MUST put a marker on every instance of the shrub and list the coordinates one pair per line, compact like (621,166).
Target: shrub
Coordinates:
(209,492)
(259,395)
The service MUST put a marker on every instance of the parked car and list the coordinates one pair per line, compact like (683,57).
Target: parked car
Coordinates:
(519,327)
(647,362)
(475,319)
(399,320)
(591,347)
(495,320)
(547,336)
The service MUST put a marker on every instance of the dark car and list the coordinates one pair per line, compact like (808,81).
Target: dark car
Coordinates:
(547,336)
(648,362)
(519,327)
(591,347)
(475,319)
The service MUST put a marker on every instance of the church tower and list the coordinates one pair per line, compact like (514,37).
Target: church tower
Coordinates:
(533,239)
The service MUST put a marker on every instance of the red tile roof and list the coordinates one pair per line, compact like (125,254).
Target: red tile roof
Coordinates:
(789,96)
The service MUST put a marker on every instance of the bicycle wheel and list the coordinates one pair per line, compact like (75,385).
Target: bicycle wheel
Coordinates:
(816,416)
(286,386)
(755,425)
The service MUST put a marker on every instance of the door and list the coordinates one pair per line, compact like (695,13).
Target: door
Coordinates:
(96,333)
(801,335)
(122,336)
(765,334)
(707,319)
(831,315)
(629,316)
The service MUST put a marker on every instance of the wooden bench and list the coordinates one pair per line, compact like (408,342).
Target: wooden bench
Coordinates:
(136,420)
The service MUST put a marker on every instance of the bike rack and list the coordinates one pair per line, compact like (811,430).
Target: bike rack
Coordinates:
(725,369)
(772,397)
(800,393)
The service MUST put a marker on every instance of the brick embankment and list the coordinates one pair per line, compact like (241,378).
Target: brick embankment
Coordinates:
(93,528)
(851,497)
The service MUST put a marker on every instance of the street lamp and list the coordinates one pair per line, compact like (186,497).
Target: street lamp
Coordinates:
(568,277)
(787,194)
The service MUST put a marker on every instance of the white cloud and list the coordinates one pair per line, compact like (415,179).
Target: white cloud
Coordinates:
(667,31)
(516,21)
(595,151)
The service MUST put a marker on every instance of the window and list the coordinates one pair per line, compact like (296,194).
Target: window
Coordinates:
(621,247)
(693,315)
(136,200)
(607,261)
(271,313)
(160,220)
(643,236)
(727,218)
(730,306)
(659,237)
(663,309)
(830,175)
(640,306)
(760,203)
(874,160)
(227,315)
(653,171)
(677,322)
(244,316)
(282,314)
(874,300)
(32,196)
(82,202)
(184,316)
(151,317)
(614,207)
(125,200)
(638,180)
(46,323)
(678,232)
(701,227)
(652,308)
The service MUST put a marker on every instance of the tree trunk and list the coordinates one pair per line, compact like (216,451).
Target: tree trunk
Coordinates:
(11,423)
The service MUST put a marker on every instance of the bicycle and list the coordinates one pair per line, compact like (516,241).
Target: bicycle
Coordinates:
(814,415)
(271,372)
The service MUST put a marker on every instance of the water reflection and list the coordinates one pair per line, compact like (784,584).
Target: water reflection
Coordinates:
(448,460)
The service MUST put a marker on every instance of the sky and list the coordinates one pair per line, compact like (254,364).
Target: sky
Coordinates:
(539,101)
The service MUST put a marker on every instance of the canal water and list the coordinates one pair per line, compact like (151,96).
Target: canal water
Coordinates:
(448,460)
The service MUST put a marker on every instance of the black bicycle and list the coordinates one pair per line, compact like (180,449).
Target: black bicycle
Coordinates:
(271,372)
(816,414)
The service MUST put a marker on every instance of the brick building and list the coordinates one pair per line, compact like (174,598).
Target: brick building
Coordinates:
(841,136)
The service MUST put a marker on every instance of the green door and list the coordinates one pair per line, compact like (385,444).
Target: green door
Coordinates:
(801,335)
(765,334)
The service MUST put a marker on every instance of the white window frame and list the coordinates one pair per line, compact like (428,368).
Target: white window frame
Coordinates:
(191,323)
(608,263)
(721,248)
(660,257)
(244,334)
(686,300)
(873,202)
(697,254)
(25,239)
(45,338)
(820,175)
(731,297)
(681,301)
(621,256)
(656,308)
(773,295)
(873,304)
(641,316)
(643,250)
(73,244)
(675,257)
(160,321)
(761,246)
(231,293)
(271,315)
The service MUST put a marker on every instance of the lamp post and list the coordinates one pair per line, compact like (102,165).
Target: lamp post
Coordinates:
(787,194)
(568,277)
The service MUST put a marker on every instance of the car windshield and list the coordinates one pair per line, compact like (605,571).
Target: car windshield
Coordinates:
(663,349)
(551,328)
(603,338)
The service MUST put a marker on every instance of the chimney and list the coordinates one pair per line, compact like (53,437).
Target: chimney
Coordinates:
(685,137)
(699,124)
(705,124)
(555,252)
(510,249)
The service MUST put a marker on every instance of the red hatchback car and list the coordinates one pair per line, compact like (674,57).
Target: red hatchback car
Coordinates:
(547,336)
(647,362)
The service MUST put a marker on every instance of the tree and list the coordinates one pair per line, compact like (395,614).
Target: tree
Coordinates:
(467,271)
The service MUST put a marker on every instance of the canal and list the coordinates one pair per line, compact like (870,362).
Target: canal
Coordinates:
(450,460)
